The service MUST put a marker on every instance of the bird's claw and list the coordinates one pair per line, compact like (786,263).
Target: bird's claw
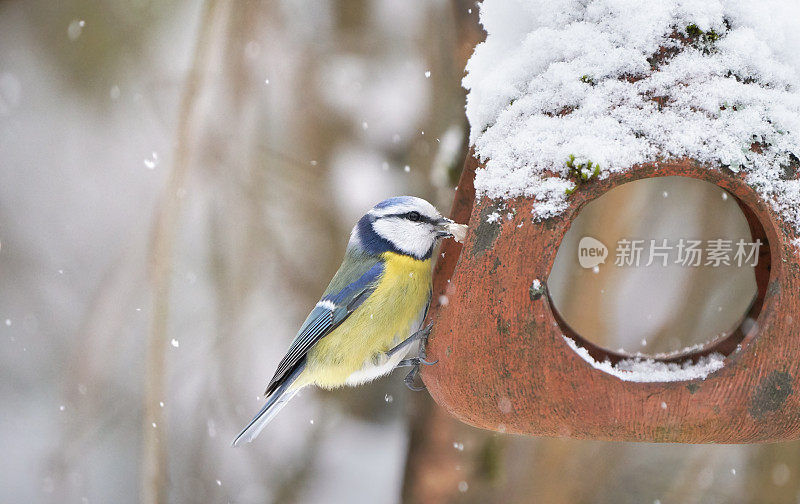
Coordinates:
(415,362)
(409,380)
(427,330)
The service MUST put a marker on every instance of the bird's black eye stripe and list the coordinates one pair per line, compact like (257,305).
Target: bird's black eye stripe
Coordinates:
(412,216)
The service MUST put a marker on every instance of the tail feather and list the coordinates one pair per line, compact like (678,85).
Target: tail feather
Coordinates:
(275,402)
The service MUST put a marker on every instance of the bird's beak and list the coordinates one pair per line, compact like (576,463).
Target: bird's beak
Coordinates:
(443,228)
(446,228)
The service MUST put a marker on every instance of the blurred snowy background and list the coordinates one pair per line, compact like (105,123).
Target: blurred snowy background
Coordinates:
(177,184)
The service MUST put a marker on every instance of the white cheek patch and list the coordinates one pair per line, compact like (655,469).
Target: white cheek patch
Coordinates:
(409,237)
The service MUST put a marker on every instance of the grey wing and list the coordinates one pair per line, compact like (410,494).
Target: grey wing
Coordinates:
(332,310)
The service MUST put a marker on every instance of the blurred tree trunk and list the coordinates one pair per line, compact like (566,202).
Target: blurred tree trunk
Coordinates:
(154,445)
(275,178)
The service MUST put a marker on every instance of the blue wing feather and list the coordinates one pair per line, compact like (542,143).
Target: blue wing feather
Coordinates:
(324,318)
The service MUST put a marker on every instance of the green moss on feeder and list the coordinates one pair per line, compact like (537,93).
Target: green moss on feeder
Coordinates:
(703,40)
(581,172)
(693,31)
(536,290)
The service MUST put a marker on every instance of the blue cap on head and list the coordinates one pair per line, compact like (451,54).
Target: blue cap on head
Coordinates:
(395,201)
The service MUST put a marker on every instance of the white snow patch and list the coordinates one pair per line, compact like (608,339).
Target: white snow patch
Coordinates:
(556,78)
(493,217)
(152,162)
(75,29)
(642,369)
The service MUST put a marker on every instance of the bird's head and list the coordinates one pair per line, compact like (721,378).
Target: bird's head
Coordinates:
(405,225)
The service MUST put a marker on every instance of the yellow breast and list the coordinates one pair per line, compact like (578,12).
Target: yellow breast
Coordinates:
(382,321)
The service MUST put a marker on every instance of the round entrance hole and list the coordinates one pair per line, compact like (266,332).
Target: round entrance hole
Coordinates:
(662,267)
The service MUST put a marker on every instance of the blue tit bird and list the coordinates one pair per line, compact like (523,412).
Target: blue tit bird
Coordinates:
(371,312)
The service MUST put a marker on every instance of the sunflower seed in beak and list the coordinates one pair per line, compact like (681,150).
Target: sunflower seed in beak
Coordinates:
(459,231)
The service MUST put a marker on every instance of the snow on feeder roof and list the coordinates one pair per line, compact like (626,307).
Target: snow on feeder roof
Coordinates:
(568,100)
(621,82)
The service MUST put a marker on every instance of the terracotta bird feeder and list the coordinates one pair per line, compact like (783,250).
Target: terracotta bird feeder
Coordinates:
(505,365)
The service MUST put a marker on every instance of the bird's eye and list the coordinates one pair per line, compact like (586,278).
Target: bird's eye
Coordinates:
(413,216)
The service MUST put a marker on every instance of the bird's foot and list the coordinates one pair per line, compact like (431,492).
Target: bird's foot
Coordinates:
(421,335)
(423,342)
(425,331)
(409,380)
(415,362)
